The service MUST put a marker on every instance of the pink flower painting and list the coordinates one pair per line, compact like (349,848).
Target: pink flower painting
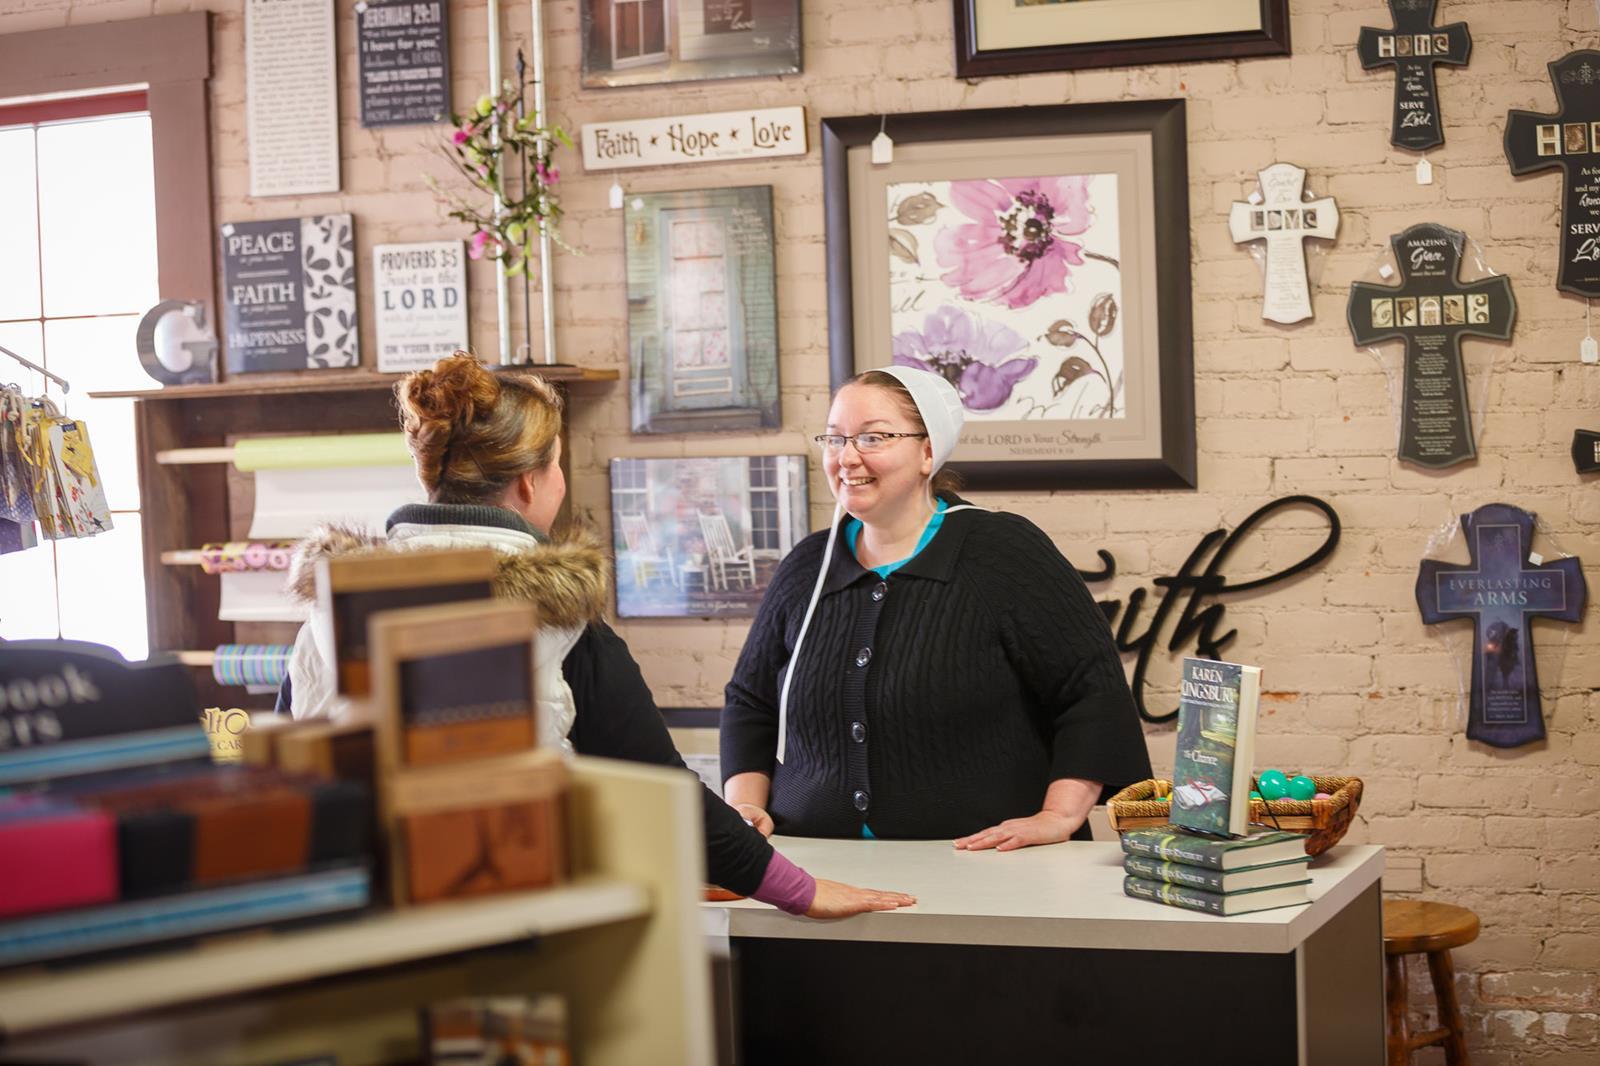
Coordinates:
(974,355)
(1015,250)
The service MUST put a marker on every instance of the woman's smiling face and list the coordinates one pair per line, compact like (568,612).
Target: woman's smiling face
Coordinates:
(877,485)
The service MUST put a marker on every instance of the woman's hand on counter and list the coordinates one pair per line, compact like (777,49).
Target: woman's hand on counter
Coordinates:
(756,817)
(836,900)
(1046,827)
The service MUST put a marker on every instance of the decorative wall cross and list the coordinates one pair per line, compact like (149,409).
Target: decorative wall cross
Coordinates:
(1430,310)
(1501,590)
(1569,139)
(1412,48)
(1586,451)
(1283,220)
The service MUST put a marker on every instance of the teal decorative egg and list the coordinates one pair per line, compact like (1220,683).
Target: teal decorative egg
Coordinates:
(1274,785)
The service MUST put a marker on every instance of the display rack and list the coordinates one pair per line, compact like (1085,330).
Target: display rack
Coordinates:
(622,943)
(185,506)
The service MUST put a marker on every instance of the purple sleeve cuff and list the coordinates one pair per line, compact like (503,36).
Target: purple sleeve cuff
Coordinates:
(786,886)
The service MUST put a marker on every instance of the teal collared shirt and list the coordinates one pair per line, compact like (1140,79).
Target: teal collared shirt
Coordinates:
(852,533)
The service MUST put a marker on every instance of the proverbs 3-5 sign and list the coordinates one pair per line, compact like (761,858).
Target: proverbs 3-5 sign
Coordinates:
(718,137)
(289,294)
(420,299)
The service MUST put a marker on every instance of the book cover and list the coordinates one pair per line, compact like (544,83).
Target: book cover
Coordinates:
(1216,743)
(1194,899)
(1292,872)
(1169,843)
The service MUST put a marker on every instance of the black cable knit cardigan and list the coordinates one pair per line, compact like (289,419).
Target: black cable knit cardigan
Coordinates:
(940,701)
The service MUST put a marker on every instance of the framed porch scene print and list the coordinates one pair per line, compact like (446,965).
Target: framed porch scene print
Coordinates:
(1038,258)
(702,310)
(701,538)
(649,42)
(1033,36)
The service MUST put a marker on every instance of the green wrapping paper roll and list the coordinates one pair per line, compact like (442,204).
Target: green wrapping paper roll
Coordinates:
(304,453)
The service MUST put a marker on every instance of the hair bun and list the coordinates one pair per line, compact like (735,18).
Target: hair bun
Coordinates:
(435,403)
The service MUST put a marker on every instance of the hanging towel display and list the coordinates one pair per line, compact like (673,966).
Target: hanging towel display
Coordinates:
(48,473)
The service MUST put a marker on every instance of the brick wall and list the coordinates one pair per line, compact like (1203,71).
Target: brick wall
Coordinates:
(1358,684)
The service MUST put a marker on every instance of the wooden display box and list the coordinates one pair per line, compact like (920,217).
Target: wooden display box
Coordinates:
(468,802)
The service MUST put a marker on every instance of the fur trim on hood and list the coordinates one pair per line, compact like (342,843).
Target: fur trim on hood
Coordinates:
(566,581)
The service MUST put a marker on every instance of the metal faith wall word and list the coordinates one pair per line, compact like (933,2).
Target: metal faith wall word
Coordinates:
(1501,590)
(1569,139)
(1201,578)
(1284,219)
(1412,48)
(1431,310)
(1586,451)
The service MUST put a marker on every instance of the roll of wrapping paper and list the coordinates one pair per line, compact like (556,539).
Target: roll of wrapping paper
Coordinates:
(237,555)
(251,664)
(304,453)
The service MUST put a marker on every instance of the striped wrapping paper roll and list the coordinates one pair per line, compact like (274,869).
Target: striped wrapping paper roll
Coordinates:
(251,664)
(238,555)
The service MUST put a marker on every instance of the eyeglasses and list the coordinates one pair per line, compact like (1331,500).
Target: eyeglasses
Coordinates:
(833,443)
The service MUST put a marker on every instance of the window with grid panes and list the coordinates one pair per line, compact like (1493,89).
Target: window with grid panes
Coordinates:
(77,272)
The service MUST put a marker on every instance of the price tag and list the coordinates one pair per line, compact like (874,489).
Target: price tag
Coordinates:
(1424,172)
(1589,350)
(882,149)
(616,196)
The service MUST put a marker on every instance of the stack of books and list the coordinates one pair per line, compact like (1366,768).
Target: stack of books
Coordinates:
(1261,871)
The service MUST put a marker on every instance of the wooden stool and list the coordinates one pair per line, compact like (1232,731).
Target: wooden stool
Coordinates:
(1412,927)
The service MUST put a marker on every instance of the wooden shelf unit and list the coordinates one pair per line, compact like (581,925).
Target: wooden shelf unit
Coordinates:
(187,506)
(622,942)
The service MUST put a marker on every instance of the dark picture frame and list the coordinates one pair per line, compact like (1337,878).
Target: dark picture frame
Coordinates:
(658,42)
(1270,37)
(1153,275)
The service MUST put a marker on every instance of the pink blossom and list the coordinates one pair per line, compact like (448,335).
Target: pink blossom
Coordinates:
(461,137)
(480,240)
(1014,251)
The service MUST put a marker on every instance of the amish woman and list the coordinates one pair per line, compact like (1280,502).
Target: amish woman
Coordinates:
(924,668)
(488,452)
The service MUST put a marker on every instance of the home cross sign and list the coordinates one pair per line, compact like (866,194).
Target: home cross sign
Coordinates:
(1412,48)
(1569,139)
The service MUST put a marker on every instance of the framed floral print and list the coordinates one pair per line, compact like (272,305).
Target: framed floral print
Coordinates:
(1032,36)
(1038,258)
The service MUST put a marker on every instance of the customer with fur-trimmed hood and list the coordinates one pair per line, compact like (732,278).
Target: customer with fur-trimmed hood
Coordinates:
(488,451)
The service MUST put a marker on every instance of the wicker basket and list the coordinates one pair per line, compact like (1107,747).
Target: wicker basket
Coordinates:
(1136,807)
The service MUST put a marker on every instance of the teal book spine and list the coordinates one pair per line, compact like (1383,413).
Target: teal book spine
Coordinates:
(1173,895)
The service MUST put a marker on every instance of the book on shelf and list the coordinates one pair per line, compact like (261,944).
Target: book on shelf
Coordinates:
(1294,871)
(1245,901)
(1170,843)
(1216,745)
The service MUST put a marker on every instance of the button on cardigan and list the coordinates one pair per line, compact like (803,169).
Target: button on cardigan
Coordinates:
(938,702)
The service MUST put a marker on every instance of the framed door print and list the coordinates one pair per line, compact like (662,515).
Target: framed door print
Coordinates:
(702,310)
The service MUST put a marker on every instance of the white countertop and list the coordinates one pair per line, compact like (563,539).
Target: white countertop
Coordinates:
(1065,895)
